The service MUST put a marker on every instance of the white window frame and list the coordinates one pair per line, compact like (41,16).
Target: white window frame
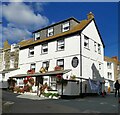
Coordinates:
(86,42)
(45,64)
(99,48)
(50,32)
(65,27)
(53,83)
(100,66)
(31,52)
(37,35)
(60,62)
(12,62)
(43,48)
(13,47)
(32,66)
(60,45)
(109,74)
(109,65)
(95,46)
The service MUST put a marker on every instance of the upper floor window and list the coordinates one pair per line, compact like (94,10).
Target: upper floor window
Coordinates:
(95,46)
(109,75)
(50,32)
(118,67)
(37,36)
(32,66)
(99,49)
(12,60)
(45,65)
(60,63)
(65,27)
(60,45)
(86,42)
(109,65)
(44,48)
(31,51)
(99,66)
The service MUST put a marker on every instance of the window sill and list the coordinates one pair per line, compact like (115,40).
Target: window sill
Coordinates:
(43,53)
(87,48)
(30,56)
(59,50)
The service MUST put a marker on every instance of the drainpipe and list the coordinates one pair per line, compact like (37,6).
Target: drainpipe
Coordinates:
(80,65)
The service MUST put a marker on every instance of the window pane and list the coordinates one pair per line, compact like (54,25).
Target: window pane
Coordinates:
(60,44)
(86,42)
(65,27)
(44,48)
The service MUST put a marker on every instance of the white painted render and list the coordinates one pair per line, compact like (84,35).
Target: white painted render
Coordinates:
(71,50)
(109,82)
(90,58)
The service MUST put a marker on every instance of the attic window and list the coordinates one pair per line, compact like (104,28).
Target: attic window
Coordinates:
(37,36)
(65,27)
(50,32)
(13,47)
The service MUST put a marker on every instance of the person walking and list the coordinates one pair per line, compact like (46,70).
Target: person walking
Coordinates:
(117,86)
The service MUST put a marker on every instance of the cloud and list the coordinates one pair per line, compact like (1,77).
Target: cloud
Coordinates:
(21,14)
(15,34)
(21,21)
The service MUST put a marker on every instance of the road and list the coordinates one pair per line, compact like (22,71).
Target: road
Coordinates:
(16,103)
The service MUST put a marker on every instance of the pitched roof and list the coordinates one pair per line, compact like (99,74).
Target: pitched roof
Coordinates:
(6,45)
(113,59)
(77,28)
(22,43)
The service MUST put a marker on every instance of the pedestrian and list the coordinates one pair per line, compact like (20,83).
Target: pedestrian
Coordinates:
(117,86)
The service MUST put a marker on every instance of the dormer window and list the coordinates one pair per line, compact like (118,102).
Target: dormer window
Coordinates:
(13,47)
(37,36)
(65,27)
(50,32)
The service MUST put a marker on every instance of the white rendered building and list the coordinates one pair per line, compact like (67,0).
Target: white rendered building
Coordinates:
(74,45)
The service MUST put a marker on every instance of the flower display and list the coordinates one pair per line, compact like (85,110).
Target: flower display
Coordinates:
(30,71)
(57,68)
(25,81)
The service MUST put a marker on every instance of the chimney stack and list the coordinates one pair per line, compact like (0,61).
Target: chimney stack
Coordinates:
(90,16)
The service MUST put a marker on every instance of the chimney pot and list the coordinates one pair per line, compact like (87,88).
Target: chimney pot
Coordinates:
(90,16)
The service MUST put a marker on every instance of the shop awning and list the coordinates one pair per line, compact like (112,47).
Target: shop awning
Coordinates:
(49,73)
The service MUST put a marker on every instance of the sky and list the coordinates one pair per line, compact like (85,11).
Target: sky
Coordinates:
(20,19)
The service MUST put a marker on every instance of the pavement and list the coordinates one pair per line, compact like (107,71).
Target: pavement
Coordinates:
(27,103)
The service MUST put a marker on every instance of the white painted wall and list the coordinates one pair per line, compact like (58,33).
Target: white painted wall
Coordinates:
(109,82)
(71,50)
(89,56)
